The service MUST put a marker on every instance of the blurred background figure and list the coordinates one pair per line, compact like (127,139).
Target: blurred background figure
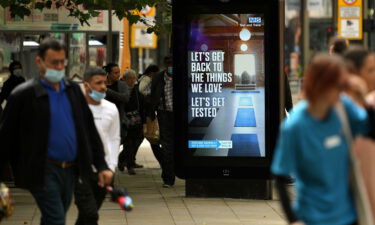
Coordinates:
(162,102)
(361,65)
(313,150)
(151,127)
(338,45)
(134,117)
(15,78)
(118,94)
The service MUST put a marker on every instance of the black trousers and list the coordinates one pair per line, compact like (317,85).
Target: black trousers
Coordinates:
(166,126)
(131,143)
(89,198)
(158,152)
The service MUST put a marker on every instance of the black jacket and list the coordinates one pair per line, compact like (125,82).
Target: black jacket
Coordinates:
(120,97)
(24,130)
(136,103)
(12,82)
(157,89)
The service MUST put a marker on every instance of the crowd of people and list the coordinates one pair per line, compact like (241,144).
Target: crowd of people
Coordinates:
(62,139)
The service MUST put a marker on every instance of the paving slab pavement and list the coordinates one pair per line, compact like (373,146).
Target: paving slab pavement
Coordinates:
(155,205)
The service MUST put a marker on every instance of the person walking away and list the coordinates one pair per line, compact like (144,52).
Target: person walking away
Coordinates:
(312,148)
(15,79)
(151,126)
(162,102)
(48,134)
(118,94)
(134,114)
(88,195)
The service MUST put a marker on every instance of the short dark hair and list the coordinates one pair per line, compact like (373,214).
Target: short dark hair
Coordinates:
(109,66)
(13,64)
(93,71)
(50,43)
(339,45)
(356,55)
(151,69)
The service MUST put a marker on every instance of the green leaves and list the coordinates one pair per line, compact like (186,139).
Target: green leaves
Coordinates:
(121,8)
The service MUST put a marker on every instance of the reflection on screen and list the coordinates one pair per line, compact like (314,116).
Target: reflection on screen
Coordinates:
(226,85)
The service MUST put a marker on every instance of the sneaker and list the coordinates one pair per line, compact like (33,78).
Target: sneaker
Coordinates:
(131,171)
(138,166)
(167,185)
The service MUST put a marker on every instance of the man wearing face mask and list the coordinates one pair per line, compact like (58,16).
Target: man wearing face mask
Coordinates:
(48,134)
(162,102)
(135,116)
(15,78)
(88,195)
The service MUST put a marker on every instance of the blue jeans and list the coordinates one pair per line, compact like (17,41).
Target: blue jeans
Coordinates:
(55,198)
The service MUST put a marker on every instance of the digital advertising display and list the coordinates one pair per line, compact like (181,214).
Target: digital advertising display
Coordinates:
(228,68)
(226,85)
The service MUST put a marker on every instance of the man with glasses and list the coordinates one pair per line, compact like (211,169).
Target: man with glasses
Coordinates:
(48,133)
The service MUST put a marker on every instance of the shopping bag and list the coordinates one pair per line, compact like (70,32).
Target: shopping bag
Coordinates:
(151,130)
(357,182)
(364,152)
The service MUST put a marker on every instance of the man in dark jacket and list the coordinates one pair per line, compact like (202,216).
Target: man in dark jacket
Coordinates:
(117,93)
(15,78)
(162,102)
(48,134)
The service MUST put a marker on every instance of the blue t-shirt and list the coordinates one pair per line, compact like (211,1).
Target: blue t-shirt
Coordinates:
(62,141)
(315,152)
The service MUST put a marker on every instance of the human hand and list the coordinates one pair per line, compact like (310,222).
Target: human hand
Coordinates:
(105,178)
(370,99)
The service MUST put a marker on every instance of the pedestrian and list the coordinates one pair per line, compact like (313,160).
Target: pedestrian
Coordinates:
(134,114)
(312,148)
(162,102)
(117,93)
(338,45)
(88,195)
(151,130)
(361,64)
(16,78)
(48,134)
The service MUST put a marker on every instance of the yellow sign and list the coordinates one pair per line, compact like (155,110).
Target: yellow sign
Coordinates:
(147,11)
(350,19)
(141,39)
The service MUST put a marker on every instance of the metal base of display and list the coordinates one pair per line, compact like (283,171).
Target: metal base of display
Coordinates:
(229,188)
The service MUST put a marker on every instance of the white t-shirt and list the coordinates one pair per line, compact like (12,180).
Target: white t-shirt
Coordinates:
(107,122)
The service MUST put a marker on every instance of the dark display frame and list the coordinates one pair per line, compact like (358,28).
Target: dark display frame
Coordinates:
(188,166)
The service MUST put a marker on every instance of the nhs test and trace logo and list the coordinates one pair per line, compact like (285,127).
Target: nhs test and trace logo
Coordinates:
(255,20)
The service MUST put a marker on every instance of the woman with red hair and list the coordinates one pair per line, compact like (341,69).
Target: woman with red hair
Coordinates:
(312,148)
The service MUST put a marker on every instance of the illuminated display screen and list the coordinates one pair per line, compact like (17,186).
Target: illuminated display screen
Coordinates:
(226,85)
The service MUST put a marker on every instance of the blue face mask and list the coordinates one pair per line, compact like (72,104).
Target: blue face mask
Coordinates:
(54,76)
(170,70)
(96,95)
